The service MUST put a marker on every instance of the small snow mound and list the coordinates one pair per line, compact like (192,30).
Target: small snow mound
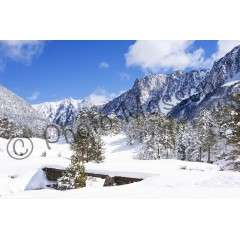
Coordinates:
(38,181)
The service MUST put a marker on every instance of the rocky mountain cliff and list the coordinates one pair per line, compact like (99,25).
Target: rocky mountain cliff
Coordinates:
(222,81)
(180,94)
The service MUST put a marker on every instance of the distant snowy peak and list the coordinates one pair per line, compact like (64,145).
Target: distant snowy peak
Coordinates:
(61,112)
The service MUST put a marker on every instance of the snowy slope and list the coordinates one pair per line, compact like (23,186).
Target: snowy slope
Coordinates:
(21,175)
(162,178)
(20,112)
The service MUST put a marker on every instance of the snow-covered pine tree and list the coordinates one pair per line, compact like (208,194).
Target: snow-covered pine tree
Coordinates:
(181,145)
(74,176)
(151,148)
(223,119)
(125,129)
(6,128)
(234,136)
(205,126)
(166,132)
(116,125)
(158,141)
(135,128)
(87,146)
(187,142)
(129,129)
(193,143)
(148,150)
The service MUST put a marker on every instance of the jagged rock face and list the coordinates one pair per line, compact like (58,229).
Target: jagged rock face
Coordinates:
(160,88)
(222,81)
(181,94)
(20,112)
(189,109)
(61,112)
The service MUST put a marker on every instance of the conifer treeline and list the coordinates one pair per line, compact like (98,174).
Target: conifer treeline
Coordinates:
(211,136)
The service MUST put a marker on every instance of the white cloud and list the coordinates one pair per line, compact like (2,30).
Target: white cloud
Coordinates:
(101,96)
(96,99)
(103,65)
(124,76)
(223,47)
(34,96)
(157,56)
(20,51)
(163,55)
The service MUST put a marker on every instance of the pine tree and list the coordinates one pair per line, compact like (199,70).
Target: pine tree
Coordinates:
(74,176)
(87,146)
(158,136)
(234,136)
(129,129)
(6,128)
(165,131)
(150,150)
(205,126)
(187,142)
(85,149)
(113,124)
(180,141)
(193,143)
(223,119)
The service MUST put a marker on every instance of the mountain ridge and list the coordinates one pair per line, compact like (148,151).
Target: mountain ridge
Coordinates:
(178,94)
(170,92)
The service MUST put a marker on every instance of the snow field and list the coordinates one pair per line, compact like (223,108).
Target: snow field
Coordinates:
(167,178)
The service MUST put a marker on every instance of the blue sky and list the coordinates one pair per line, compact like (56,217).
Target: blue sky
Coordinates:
(52,70)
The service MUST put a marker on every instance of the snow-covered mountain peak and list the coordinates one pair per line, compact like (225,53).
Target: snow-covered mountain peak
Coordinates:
(61,112)
(155,87)
(177,86)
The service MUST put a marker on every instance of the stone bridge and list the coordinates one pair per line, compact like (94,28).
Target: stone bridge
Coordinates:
(53,174)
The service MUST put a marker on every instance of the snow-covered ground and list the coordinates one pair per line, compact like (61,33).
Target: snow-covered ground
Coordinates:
(167,178)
